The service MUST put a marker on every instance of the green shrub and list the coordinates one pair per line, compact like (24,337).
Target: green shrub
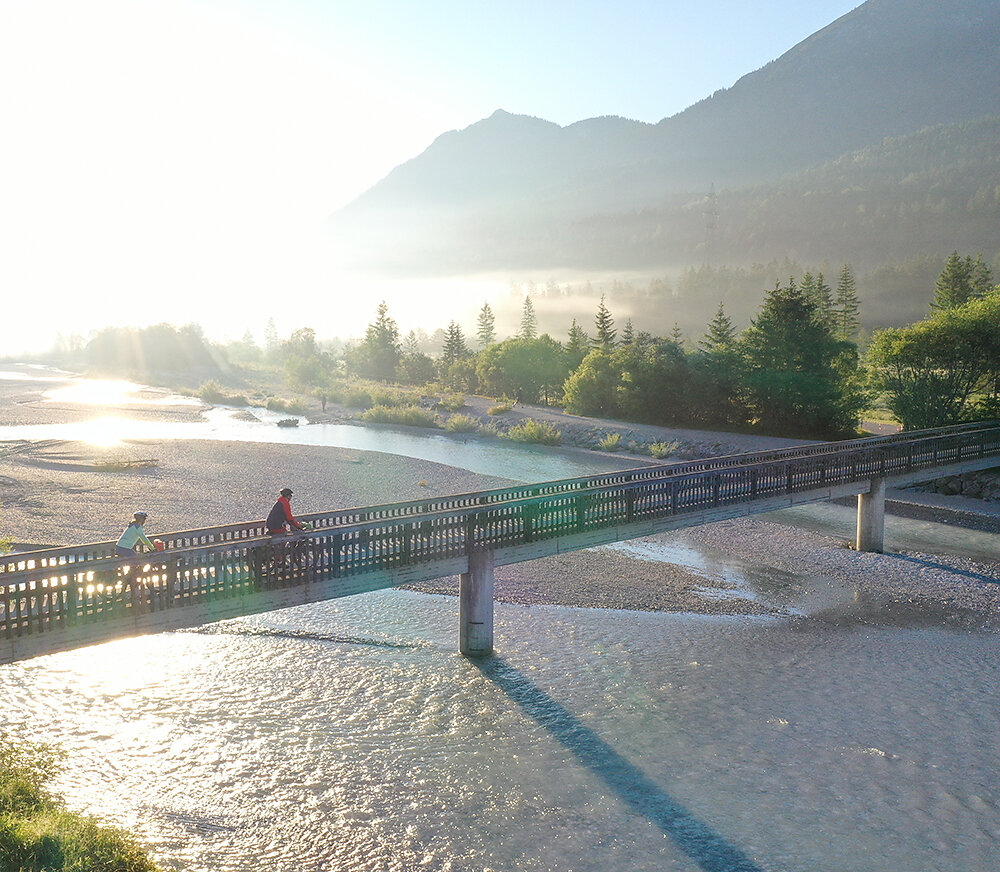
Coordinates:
(461,424)
(212,392)
(500,408)
(659,450)
(355,398)
(410,416)
(452,403)
(610,442)
(383,397)
(539,432)
(37,833)
(293,407)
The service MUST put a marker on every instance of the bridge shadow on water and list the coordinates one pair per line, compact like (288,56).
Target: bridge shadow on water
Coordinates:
(694,837)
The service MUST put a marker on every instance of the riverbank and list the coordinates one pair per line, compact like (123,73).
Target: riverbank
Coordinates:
(62,492)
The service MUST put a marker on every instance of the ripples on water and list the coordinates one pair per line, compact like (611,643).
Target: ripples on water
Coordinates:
(351,735)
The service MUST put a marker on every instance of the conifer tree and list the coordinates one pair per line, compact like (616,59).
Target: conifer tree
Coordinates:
(485,333)
(454,344)
(823,298)
(628,335)
(380,349)
(800,379)
(807,284)
(677,335)
(577,345)
(845,313)
(720,334)
(961,280)
(529,321)
(411,345)
(605,325)
(271,341)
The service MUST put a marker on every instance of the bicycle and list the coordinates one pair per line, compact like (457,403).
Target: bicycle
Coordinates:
(284,558)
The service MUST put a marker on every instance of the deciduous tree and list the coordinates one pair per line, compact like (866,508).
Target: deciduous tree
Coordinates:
(932,370)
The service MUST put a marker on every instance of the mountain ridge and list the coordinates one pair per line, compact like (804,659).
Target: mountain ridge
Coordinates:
(886,69)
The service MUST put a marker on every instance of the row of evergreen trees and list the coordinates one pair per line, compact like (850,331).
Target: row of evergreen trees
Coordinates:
(795,370)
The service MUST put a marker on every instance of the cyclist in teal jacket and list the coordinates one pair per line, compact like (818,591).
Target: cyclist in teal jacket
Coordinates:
(132,536)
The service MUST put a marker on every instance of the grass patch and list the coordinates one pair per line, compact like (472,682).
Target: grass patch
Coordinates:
(461,424)
(500,408)
(610,442)
(538,432)
(38,833)
(409,416)
(452,403)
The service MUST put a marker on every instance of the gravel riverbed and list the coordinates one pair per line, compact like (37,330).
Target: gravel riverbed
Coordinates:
(72,492)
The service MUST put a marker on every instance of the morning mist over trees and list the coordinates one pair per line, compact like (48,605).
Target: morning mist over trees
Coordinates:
(873,142)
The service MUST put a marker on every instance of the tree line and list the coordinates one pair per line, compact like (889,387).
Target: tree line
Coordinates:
(796,370)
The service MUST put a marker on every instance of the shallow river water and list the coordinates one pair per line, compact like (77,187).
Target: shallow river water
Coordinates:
(352,736)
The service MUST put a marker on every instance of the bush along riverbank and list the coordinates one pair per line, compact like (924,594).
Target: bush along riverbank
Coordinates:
(38,833)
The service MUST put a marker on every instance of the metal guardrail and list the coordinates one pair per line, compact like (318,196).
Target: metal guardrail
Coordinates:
(44,590)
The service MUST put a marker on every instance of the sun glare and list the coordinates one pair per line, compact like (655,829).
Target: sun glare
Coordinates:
(115,392)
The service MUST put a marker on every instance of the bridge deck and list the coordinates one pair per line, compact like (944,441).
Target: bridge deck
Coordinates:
(61,598)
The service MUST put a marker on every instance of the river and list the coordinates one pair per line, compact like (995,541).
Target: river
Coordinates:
(351,736)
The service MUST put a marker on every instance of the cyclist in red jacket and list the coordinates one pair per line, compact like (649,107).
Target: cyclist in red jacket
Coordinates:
(281,517)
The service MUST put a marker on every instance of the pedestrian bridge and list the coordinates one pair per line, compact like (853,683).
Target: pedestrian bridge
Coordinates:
(62,598)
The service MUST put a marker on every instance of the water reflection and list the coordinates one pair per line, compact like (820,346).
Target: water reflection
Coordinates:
(602,741)
(115,392)
(486,456)
(727,576)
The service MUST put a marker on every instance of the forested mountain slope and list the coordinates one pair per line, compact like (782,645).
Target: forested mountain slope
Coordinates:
(795,152)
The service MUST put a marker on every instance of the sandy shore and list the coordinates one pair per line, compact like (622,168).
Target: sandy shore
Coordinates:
(54,493)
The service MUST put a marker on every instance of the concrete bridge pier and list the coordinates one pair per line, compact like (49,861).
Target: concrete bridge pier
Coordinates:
(475,606)
(871,518)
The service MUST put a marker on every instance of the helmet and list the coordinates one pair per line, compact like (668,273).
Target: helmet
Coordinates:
(139,516)
(286,491)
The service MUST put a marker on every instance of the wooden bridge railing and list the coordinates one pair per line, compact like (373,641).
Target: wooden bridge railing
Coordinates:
(226,533)
(44,591)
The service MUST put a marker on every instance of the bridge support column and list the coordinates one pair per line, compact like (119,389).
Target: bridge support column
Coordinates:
(871,518)
(475,606)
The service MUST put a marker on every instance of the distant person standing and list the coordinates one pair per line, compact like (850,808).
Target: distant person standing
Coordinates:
(281,517)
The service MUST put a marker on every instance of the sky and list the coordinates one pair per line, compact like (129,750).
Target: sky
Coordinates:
(175,160)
